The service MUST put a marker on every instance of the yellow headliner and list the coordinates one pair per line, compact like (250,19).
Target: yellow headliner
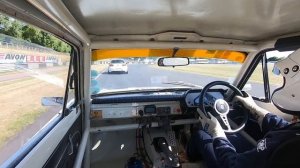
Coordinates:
(195,53)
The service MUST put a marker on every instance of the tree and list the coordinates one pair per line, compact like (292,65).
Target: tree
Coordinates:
(273,59)
(14,30)
(30,34)
(17,29)
(4,24)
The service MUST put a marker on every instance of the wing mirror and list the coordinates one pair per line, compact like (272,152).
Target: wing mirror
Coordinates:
(173,61)
(52,101)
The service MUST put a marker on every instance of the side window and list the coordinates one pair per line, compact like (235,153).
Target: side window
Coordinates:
(255,84)
(33,65)
(275,81)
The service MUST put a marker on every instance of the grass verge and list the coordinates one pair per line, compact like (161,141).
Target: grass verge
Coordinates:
(226,71)
(19,123)
(99,67)
(20,101)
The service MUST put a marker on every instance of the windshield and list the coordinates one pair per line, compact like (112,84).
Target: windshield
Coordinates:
(144,73)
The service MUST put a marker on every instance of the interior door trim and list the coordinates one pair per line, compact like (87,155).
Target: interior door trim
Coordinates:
(43,150)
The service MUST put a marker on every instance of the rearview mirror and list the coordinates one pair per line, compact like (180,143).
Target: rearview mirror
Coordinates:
(173,61)
(52,101)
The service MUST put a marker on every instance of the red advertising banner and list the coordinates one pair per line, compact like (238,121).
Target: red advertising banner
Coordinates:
(35,59)
(22,58)
(2,56)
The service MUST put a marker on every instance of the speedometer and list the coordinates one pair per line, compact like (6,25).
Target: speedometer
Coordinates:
(192,98)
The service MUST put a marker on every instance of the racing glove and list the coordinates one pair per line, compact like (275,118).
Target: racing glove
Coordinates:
(211,126)
(257,112)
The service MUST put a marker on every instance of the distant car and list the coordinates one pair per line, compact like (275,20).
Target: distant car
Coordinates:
(118,65)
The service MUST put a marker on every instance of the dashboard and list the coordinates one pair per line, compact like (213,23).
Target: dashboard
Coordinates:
(138,109)
(147,104)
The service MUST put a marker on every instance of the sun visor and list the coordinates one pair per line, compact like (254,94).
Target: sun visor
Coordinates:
(287,98)
(196,53)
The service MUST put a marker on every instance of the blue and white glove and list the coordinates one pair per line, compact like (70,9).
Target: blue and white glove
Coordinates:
(211,126)
(257,112)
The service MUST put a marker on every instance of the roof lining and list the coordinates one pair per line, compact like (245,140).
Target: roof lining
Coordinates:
(169,36)
(60,13)
(244,20)
(63,16)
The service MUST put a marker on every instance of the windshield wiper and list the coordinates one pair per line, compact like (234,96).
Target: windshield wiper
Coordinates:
(181,83)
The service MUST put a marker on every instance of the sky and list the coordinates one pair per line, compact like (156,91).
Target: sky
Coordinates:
(278,54)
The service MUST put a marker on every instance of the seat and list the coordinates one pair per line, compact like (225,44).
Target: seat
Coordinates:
(286,155)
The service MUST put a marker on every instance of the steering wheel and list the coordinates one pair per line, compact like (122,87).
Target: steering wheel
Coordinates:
(220,106)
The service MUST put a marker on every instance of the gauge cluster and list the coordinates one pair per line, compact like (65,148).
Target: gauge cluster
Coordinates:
(192,98)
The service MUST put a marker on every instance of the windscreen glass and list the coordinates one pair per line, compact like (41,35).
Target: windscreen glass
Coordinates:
(116,73)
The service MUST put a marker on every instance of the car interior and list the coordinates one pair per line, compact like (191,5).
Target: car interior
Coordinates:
(152,126)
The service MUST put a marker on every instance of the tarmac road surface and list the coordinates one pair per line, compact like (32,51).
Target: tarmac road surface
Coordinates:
(148,76)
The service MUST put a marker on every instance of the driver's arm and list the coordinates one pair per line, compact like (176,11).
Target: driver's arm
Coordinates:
(266,120)
(271,122)
(224,151)
(228,157)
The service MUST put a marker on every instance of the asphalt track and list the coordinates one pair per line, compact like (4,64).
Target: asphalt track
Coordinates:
(149,76)
(138,76)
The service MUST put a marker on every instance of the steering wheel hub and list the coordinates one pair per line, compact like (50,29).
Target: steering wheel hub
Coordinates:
(221,106)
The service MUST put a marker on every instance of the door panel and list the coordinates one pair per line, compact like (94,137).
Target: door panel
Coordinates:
(65,153)
(52,146)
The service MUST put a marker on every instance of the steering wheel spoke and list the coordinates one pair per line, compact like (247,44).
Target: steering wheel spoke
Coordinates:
(224,118)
